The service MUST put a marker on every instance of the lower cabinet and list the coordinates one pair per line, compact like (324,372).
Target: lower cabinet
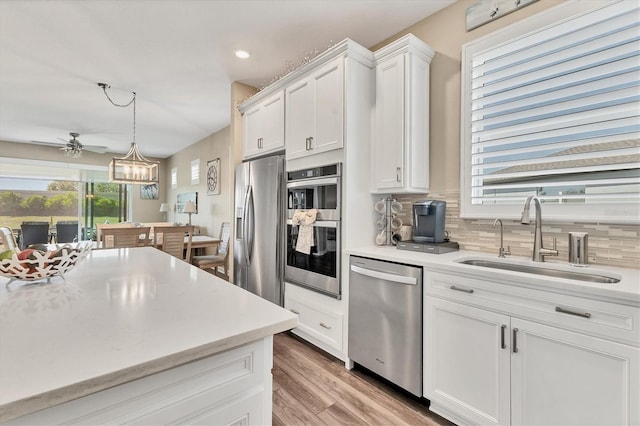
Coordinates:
(486,367)
(320,318)
(231,388)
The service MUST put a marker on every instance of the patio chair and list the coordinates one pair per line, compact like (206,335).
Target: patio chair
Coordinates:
(34,233)
(67,232)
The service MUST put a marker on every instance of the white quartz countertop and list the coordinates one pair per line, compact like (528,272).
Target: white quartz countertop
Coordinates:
(627,291)
(120,315)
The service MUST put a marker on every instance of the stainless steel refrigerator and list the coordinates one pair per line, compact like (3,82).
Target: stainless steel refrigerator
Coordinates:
(260,227)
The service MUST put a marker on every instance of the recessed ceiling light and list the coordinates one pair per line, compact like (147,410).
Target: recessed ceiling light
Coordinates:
(242,54)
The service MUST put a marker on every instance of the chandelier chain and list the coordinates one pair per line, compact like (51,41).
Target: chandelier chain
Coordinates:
(132,101)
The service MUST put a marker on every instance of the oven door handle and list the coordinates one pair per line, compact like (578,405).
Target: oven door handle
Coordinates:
(313,182)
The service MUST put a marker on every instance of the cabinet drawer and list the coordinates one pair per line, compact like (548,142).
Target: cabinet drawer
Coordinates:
(597,318)
(322,325)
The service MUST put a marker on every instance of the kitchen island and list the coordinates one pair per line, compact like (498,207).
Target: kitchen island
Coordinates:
(135,335)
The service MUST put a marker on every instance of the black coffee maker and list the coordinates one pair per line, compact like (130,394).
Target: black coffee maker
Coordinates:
(428,221)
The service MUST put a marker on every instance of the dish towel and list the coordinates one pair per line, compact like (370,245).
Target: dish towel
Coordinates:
(304,219)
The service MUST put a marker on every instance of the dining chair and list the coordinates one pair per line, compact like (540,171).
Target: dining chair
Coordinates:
(33,233)
(171,239)
(67,232)
(221,258)
(101,226)
(7,239)
(125,237)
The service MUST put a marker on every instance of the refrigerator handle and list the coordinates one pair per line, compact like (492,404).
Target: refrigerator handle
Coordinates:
(250,236)
(245,214)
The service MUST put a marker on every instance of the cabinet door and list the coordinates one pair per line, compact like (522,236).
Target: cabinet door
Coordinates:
(466,362)
(273,123)
(388,149)
(252,126)
(565,378)
(299,118)
(328,84)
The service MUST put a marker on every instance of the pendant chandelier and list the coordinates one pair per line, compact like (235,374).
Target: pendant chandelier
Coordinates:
(134,167)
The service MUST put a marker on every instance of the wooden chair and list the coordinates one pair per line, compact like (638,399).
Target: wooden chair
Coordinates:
(125,237)
(7,239)
(170,239)
(221,258)
(101,226)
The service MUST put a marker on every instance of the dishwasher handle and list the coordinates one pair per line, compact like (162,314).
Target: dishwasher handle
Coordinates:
(400,279)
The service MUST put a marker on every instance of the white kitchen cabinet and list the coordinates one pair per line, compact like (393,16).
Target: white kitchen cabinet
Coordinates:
(315,111)
(320,318)
(263,125)
(497,354)
(232,387)
(401,137)
(467,363)
(560,377)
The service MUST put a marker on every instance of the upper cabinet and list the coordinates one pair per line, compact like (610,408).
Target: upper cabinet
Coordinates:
(401,127)
(264,126)
(314,111)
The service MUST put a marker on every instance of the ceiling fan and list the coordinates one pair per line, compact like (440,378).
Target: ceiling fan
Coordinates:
(73,147)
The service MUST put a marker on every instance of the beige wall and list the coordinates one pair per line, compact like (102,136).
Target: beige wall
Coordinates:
(143,210)
(212,209)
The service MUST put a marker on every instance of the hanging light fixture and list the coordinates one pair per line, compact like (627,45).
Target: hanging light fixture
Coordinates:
(133,167)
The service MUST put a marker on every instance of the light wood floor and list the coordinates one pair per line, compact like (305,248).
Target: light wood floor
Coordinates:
(311,387)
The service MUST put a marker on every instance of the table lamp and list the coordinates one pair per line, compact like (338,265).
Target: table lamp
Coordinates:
(164,208)
(189,208)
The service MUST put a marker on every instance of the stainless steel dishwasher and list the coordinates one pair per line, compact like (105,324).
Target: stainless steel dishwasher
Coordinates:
(385,320)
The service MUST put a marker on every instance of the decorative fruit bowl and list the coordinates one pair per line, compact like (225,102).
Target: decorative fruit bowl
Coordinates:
(42,261)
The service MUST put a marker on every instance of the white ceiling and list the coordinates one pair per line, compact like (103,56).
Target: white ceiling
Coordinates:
(176,54)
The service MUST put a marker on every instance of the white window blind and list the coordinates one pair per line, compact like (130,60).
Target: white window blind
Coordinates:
(195,172)
(556,113)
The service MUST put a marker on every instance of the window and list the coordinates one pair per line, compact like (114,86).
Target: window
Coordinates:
(195,172)
(551,108)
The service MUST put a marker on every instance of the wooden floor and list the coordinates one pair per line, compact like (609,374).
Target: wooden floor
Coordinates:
(311,387)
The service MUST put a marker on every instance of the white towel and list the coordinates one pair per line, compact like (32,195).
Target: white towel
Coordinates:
(304,219)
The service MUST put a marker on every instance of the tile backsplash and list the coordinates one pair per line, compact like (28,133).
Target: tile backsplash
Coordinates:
(609,244)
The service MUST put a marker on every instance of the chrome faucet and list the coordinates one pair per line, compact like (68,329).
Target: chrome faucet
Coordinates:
(539,252)
(501,252)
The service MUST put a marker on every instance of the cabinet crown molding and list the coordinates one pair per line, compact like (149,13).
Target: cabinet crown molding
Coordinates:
(347,47)
(405,44)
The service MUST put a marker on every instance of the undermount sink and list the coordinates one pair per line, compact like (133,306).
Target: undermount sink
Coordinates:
(541,270)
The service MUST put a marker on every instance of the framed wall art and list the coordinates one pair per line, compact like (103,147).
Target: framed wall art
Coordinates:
(149,191)
(184,197)
(213,177)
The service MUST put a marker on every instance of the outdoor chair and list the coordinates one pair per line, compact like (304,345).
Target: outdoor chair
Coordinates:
(34,233)
(67,232)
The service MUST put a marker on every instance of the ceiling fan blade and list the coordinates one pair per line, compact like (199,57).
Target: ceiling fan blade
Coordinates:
(95,148)
(57,145)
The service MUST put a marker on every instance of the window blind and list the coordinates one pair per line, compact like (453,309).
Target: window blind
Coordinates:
(556,113)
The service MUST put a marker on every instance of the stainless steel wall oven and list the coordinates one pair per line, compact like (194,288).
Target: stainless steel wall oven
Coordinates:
(317,188)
